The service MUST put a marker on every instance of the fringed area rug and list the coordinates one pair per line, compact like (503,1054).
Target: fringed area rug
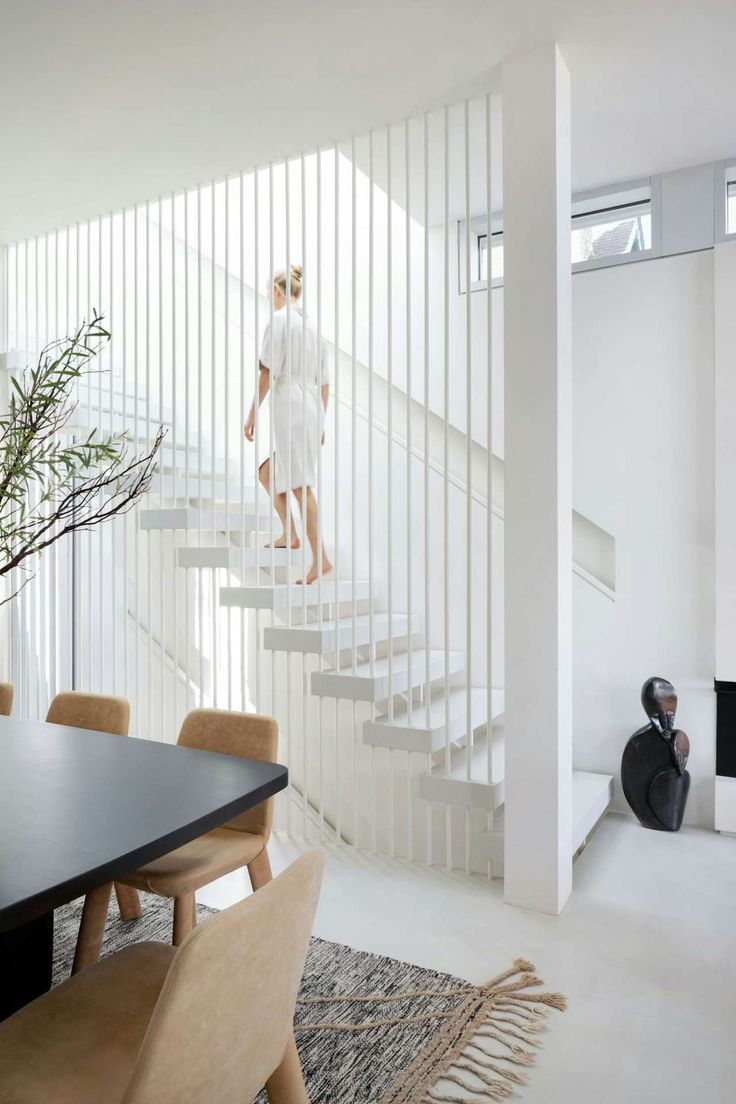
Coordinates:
(373,1030)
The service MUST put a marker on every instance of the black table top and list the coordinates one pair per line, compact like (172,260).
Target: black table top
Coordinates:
(78,808)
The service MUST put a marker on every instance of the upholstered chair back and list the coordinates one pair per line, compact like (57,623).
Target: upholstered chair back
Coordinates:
(225,1014)
(249,735)
(99,712)
(6,699)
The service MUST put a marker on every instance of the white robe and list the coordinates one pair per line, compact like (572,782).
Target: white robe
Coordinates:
(297,362)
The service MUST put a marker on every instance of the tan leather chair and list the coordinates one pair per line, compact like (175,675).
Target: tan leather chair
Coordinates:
(6,699)
(240,842)
(100,713)
(209,1023)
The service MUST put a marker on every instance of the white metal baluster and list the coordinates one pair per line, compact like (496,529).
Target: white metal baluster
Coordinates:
(162,603)
(468,489)
(226,416)
(54,604)
(305,755)
(113,527)
(213,430)
(289,484)
(336,606)
(162,617)
(22,650)
(200,446)
(37,704)
(44,576)
(257,435)
(150,537)
(427,630)
(409,518)
(27,664)
(15,579)
(489,451)
(136,437)
(353,470)
(89,535)
(187,448)
(446,463)
(16,622)
(389,480)
(255,468)
(103,560)
(371,598)
(125,525)
(271,451)
(320,660)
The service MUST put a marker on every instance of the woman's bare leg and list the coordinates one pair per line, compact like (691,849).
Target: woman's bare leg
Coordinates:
(310,523)
(280,505)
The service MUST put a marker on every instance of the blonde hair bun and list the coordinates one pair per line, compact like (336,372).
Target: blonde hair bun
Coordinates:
(295,280)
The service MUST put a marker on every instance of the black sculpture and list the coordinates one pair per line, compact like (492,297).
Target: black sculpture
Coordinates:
(653,775)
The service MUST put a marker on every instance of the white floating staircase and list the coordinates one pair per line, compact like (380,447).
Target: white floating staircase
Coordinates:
(332,620)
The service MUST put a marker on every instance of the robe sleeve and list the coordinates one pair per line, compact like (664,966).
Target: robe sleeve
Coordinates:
(265,356)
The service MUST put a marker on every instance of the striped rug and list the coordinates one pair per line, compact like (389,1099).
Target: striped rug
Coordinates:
(373,1030)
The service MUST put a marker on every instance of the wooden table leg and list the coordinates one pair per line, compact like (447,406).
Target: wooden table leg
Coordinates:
(26,955)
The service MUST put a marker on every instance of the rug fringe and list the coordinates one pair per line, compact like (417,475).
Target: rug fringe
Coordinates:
(502,1010)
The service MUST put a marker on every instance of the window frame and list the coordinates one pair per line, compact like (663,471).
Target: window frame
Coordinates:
(589,203)
(724,180)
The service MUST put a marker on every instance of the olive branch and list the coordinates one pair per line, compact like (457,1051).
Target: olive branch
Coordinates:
(51,484)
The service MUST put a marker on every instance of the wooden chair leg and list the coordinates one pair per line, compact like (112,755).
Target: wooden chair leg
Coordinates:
(183,918)
(129,902)
(286,1083)
(194,911)
(259,869)
(92,928)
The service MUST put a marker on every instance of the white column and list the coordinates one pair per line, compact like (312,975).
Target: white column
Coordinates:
(538,480)
(725,459)
(725,531)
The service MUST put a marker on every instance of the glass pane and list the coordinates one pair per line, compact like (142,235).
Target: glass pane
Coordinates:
(611,234)
(496,257)
(731,207)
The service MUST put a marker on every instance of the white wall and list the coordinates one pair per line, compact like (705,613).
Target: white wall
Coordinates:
(643,470)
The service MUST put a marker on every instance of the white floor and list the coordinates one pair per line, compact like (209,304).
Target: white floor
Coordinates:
(645,952)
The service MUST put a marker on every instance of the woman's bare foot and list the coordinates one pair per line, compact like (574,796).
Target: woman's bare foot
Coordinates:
(314,573)
(280,542)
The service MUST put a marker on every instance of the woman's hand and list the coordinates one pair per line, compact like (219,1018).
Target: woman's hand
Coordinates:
(250,426)
(323,438)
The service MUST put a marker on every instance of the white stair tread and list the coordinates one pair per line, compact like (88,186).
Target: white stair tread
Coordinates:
(315,638)
(409,729)
(189,517)
(178,486)
(281,595)
(454,787)
(591,796)
(233,559)
(360,683)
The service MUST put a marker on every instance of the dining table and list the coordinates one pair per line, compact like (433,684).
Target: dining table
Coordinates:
(80,808)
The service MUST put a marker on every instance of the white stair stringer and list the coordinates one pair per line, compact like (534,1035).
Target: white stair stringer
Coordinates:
(409,731)
(316,639)
(374,683)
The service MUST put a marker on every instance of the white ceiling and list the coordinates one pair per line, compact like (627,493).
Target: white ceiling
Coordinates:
(106,104)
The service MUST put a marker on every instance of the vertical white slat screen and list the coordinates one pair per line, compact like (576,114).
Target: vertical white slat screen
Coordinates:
(178,603)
